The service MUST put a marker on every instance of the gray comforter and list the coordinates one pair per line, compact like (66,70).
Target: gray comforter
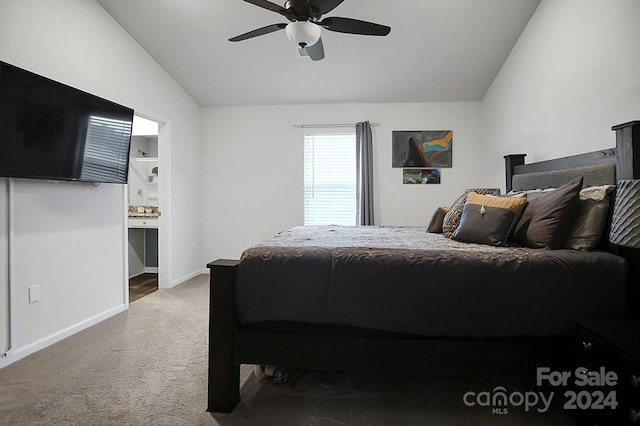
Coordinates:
(405,280)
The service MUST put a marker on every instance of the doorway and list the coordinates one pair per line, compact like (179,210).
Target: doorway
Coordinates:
(143,212)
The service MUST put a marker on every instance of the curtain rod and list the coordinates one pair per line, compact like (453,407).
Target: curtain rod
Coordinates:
(322,126)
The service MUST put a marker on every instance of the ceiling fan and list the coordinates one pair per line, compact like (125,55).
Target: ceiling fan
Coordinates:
(305,24)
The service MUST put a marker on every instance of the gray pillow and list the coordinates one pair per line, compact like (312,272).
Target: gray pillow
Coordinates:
(484,225)
(591,217)
(452,218)
(547,219)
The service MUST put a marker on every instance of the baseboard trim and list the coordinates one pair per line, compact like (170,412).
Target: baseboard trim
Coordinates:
(148,270)
(17,354)
(188,277)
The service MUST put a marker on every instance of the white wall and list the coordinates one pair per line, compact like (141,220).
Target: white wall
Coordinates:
(70,237)
(574,73)
(252,167)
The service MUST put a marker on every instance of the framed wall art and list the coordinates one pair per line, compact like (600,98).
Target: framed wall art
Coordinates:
(421,176)
(422,148)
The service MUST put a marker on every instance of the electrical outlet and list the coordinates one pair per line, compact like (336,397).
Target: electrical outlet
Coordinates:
(34,293)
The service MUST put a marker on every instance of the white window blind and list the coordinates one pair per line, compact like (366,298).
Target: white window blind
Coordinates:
(330,179)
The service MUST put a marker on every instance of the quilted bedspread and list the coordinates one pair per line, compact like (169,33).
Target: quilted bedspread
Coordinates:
(405,280)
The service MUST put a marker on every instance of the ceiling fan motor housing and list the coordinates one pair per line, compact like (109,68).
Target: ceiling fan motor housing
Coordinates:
(302,10)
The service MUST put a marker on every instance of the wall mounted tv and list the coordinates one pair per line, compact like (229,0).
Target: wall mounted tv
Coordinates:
(52,131)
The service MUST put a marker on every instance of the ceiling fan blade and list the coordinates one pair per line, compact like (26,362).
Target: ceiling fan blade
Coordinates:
(315,51)
(260,31)
(354,26)
(273,7)
(324,6)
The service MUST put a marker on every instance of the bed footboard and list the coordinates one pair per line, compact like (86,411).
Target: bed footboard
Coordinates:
(349,349)
(224,375)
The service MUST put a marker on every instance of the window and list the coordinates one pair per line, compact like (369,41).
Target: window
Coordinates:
(330,179)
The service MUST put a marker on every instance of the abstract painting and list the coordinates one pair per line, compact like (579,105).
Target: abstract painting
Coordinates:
(422,148)
(421,176)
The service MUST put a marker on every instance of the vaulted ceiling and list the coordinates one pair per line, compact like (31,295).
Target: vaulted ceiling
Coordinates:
(438,50)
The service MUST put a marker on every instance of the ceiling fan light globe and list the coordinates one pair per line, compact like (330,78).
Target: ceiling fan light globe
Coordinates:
(303,33)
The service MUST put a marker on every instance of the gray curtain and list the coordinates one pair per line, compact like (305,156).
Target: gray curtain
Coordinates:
(364,156)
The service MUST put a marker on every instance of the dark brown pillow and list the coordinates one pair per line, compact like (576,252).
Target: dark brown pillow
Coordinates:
(484,225)
(435,226)
(547,218)
(452,218)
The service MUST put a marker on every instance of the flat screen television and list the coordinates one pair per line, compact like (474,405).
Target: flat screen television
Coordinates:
(49,130)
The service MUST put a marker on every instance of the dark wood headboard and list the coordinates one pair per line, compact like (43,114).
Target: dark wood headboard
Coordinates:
(626,156)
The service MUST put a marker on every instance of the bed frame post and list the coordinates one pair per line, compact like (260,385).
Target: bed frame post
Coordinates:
(510,162)
(628,150)
(224,374)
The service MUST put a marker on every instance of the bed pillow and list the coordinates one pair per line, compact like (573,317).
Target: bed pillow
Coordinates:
(484,225)
(435,226)
(516,203)
(548,216)
(452,218)
(591,217)
(488,219)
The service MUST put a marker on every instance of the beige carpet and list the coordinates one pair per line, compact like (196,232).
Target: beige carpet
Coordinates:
(148,366)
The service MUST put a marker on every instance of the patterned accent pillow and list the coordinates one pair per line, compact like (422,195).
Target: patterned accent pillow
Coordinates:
(452,218)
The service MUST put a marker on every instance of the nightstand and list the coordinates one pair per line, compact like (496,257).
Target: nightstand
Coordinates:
(611,346)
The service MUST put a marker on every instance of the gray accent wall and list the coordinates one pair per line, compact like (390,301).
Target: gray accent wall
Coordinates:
(151,248)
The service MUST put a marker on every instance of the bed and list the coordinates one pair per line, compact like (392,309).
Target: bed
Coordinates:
(359,298)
